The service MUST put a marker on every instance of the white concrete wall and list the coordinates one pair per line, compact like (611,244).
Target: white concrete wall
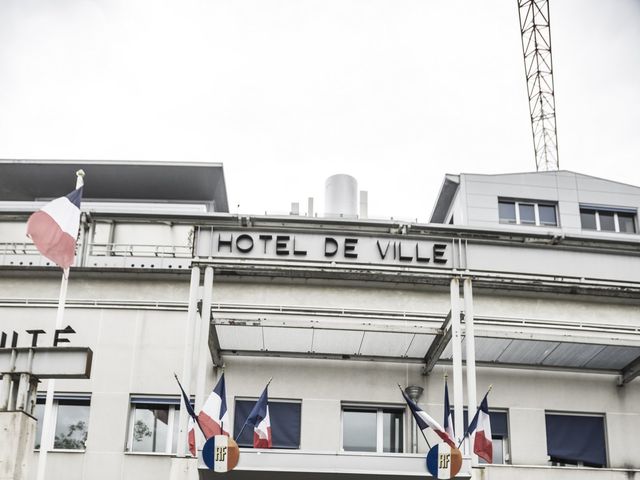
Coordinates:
(546,473)
(137,351)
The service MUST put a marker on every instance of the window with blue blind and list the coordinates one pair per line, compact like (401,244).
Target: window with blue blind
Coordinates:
(576,440)
(285,423)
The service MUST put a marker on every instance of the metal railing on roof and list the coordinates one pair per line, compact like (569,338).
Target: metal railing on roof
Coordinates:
(139,250)
(102,255)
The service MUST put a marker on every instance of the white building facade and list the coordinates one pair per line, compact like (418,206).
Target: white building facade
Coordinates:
(535,278)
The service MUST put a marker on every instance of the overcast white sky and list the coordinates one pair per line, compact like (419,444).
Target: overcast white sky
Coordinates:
(287,92)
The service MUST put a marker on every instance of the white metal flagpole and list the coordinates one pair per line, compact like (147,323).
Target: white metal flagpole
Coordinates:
(48,427)
(470,343)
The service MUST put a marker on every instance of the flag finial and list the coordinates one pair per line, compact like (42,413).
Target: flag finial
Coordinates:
(79,178)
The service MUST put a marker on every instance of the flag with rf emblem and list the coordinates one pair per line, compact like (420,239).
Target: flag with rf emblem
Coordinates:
(444,461)
(220,453)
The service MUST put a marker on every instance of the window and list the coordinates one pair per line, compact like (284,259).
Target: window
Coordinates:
(153,424)
(285,423)
(372,429)
(604,219)
(499,435)
(527,213)
(576,440)
(71,416)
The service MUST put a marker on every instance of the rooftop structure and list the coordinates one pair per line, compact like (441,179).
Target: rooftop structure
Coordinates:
(117,181)
(561,202)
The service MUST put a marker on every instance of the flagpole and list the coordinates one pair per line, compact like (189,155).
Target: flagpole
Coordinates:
(421,431)
(470,422)
(47,419)
(245,422)
(224,400)
(196,419)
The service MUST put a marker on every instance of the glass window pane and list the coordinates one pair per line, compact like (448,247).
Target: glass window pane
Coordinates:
(150,428)
(547,215)
(38,412)
(392,431)
(527,214)
(498,450)
(607,224)
(588,219)
(359,431)
(627,222)
(507,212)
(176,425)
(72,424)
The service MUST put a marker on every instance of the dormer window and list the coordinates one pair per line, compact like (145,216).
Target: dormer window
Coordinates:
(527,212)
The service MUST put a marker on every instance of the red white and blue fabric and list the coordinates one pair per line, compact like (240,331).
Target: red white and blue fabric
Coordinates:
(54,228)
(259,419)
(191,436)
(214,417)
(480,432)
(424,421)
(193,420)
(448,418)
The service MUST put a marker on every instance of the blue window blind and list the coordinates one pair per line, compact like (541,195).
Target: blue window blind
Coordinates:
(155,400)
(576,438)
(285,423)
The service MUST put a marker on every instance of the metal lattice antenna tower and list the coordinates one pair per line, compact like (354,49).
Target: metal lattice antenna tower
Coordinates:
(536,46)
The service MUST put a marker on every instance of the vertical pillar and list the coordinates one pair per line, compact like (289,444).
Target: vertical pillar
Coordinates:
(470,344)
(456,348)
(33,396)
(412,436)
(203,358)
(5,391)
(203,338)
(5,388)
(192,311)
(22,395)
(13,398)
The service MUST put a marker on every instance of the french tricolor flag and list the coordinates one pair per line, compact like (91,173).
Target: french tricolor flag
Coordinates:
(424,421)
(448,418)
(191,436)
(480,432)
(54,228)
(193,420)
(259,418)
(213,417)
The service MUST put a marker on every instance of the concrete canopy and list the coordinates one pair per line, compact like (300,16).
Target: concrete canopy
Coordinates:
(121,181)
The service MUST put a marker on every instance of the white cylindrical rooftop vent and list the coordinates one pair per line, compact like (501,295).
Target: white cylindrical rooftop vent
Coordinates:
(341,196)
